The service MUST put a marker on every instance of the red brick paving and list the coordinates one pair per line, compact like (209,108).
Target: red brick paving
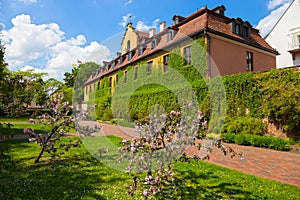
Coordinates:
(266,163)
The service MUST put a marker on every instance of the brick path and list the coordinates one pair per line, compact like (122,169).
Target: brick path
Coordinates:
(266,163)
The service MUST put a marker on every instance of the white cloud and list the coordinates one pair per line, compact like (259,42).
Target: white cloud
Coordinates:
(128,2)
(266,24)
(141,26)
(2,26)
(272,4)
(27,43)
(28,1)
(125,20)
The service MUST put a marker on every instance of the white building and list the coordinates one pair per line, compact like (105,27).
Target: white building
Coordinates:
(285,37)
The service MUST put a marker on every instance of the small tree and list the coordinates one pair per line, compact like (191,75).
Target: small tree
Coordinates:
(59,122)
(163,140)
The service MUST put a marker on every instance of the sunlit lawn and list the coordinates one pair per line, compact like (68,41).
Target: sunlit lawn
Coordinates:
(78,175)
(19,124)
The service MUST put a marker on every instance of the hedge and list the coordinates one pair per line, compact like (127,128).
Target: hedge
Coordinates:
(257,141)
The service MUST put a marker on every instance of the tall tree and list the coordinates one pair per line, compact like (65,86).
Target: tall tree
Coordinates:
(78,77)
(3,77)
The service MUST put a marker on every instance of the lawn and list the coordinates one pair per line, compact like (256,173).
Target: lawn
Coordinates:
(78,175)
(19,124)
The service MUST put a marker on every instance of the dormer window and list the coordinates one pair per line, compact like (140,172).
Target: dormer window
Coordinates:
(237,28)
(129,55)
(241,28)
(245,31)
(170,35)
(140,50)
(153,44)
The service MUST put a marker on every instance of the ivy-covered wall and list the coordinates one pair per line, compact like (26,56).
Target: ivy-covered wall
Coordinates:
(234,99)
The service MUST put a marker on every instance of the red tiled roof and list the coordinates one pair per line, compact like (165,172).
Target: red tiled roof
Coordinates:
(202,20)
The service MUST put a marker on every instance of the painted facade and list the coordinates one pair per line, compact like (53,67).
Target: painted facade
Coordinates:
(233,46)
(285,37)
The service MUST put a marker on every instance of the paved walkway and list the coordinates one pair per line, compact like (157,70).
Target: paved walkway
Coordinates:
(266,163)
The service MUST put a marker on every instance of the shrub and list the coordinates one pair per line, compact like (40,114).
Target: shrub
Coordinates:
(245,125)
(257,141)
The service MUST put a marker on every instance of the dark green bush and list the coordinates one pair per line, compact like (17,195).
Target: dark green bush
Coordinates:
(257,141)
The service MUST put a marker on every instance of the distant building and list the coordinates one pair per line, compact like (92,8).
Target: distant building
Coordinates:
(234,47)
(285,37)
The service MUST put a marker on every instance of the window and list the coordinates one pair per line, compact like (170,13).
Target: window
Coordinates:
(249,58)
(237,29)
(117,78)
(125,76)
(86,90)
(110,81)
(170,35)
(129,55)
(166,63)
(136,73)
(153,44)
(128,45)
(188,54)
(149,69)
(299,40)
(245,32)
(140,50)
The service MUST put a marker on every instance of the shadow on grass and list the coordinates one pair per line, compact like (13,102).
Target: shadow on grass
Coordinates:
(193,183)
(68,178)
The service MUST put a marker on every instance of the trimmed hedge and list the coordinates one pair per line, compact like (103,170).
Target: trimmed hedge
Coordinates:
(257,141)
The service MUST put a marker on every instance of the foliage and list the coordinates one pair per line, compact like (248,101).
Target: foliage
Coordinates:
(245,125)
(80,76)
(58,122)
(22,87)
(163,139)
(281,91)
(5,130)
(257,141)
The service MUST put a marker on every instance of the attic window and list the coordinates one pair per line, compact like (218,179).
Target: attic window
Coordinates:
(170,35)
(153,44)
(129,55)
(140,50)
(237,28)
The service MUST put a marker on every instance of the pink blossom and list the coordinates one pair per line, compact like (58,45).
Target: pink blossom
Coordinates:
(31,121)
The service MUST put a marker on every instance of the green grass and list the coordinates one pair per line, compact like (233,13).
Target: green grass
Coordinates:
(5,119)
(78,175)
(18,128)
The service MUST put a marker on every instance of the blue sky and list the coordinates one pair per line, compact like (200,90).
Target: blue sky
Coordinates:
(50,35)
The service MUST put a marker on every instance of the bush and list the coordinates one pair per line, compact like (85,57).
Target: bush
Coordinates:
(245,125)
(257,141)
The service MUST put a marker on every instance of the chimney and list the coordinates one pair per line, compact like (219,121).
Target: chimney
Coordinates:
(220,10)
(152,32)
(119,54)
(162,26)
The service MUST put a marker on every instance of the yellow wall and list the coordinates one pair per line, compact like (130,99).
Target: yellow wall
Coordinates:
(131,36)
(157,63)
